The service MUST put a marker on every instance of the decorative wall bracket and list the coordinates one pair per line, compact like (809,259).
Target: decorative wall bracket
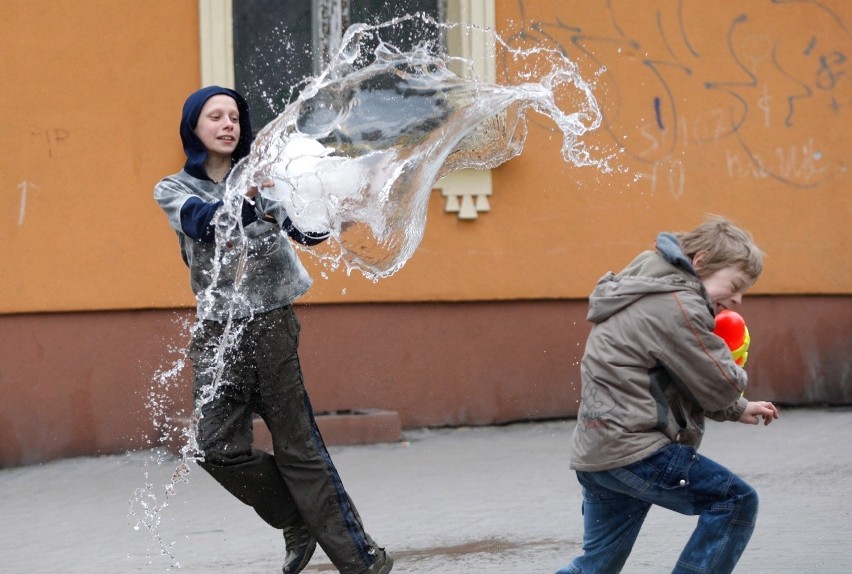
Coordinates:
(466,193)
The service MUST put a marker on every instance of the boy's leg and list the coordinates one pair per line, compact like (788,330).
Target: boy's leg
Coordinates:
(611,523)
(727,511)
(300,453)
(676,478)
(224,435)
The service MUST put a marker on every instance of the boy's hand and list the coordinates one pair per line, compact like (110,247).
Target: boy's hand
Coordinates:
(756,409)
(252,191)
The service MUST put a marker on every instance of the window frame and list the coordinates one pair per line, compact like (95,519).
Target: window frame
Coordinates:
(466,192)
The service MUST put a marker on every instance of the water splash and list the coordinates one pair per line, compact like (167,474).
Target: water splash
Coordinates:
(358,153)
(148,502)
(147,505)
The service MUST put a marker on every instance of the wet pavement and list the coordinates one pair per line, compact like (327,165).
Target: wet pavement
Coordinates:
(490,500)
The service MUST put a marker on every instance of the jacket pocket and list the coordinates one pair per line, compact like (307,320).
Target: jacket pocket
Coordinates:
(689,425)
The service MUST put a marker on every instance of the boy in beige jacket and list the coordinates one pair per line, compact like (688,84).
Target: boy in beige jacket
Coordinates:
(652,371)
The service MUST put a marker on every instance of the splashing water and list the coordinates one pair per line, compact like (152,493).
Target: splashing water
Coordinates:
(148,502)
(358,153)
(147,506)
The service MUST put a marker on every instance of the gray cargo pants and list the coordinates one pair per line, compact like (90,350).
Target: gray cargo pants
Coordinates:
(298,482)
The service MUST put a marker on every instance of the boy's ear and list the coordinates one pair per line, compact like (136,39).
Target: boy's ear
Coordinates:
(698,260)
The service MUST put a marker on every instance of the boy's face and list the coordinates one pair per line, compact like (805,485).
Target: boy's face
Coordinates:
(218,125)
(727,286)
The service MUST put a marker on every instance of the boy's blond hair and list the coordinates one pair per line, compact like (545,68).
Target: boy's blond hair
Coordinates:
(723,244)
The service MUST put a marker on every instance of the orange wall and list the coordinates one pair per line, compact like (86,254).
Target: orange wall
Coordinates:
(92,93)
(751,121)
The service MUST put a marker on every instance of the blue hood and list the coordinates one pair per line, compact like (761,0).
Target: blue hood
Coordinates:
(196,153)
(669,247)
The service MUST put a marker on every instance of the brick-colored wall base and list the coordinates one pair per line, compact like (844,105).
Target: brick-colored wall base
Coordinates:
(96,383)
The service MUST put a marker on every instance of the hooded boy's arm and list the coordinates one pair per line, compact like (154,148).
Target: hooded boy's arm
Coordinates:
(274,210)
(196,216)
(308,238)
(192,215)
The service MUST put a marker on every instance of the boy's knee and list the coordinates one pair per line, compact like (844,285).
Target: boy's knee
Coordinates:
(214,458)
(748,502)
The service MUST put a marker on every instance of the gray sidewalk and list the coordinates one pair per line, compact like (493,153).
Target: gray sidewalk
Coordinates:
(493,500)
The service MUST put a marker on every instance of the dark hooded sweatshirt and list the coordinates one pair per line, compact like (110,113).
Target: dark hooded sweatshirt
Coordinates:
(653,368)
(272,275)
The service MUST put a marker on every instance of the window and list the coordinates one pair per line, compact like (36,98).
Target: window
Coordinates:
(266,48)
(272,47)
(279,43)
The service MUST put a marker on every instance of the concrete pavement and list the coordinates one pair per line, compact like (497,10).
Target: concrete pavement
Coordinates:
(491,500)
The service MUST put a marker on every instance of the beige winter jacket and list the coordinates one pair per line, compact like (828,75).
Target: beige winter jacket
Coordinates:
(652,368)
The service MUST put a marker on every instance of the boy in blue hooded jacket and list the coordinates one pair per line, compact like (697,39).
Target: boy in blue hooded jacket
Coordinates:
(245,345)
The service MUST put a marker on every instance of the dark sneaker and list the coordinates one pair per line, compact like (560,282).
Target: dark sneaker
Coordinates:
(382,565)
(300,547)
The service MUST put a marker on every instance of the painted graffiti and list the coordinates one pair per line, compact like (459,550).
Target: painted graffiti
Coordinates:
(26,188)
(50,140)
(755,92)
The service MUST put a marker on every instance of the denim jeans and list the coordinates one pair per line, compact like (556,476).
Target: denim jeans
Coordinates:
(616,501)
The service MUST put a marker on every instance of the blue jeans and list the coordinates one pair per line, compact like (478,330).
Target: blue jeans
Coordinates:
(615,503)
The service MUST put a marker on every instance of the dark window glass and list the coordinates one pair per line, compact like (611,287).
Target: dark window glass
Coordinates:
(408,34)
(272,53)
(274,43)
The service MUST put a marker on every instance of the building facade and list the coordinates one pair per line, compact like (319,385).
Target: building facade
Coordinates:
(741,111)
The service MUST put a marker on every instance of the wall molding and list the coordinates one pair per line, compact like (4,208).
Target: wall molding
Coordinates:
(216,27)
